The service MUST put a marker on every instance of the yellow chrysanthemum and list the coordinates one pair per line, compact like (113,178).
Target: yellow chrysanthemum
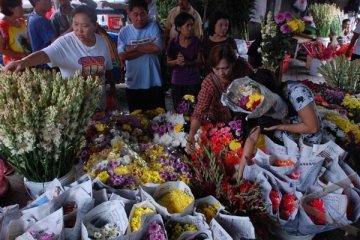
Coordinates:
(122,170)
(260,142)
(178,127)
(234,145)
(103,176)
(127,127)
(176,201)
(190,98)
(151,176)
(254,98)
(136,112)
(100,127)
(159,110)
(135,222)
(345,125)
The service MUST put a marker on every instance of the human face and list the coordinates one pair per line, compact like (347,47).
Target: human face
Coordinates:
(221,27)
(184,5)
(83,28)
(187,30)
(17,11)
(138,17)
(223,70)
(346,26)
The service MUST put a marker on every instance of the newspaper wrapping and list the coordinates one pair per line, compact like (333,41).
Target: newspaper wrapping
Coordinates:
(162,190)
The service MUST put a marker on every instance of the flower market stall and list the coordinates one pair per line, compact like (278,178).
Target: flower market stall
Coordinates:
(138,182)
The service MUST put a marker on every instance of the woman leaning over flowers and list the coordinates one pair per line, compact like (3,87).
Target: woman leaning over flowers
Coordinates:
(81,49)
(209,108)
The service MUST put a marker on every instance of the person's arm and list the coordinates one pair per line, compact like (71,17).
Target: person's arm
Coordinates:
(248,149)
(352,43)
(196,61)
(309,122)
(34,59)
(9,52)
(194,127)
(135,51)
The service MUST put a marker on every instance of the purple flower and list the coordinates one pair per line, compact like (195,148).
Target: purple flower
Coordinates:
(84,155)
(182,107)
(285,28)
(288,16)
(162,129)
(154,228)
(280,18)
(154,126)
(113,164)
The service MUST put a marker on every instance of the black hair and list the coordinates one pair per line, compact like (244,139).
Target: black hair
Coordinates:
(90,12)
(137,3)
(345,21)
(267,78)
(181,19)
(219,52)
(6,5)
(215,17)
(32,3)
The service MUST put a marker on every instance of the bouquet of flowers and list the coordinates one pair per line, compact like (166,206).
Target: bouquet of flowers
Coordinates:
(324,15)
(276,35)
(168,130)
(218,150)
(248,96)
(317,50)
(42,120)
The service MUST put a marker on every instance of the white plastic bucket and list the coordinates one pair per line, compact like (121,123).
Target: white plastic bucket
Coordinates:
(35,189)
(315,64)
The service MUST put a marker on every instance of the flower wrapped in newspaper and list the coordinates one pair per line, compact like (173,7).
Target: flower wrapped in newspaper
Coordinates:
(152,227)
(247,96)
(208,206)
(106,221)
(168,130)
(170,198)
(50,228)
(137,213)
(187,227)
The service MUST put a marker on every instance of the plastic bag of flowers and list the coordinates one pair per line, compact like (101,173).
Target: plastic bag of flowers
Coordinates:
(187,227)
(172,198)
(247,96)
(137,214)
(324,209)
(50,228)
(236,226)
(42,121)
(106,221)
(152,227)
(208,207)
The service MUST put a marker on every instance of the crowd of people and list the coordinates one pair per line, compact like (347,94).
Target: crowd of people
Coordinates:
(201,64)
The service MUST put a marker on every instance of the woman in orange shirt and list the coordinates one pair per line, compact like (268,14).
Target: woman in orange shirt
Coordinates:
(14,43)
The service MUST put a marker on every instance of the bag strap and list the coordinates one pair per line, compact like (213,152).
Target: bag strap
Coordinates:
(217,83)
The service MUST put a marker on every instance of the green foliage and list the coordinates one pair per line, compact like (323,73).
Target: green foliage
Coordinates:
(342,73)
(163,8)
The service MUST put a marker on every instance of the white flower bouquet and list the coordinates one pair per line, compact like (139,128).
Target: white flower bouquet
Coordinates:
(42,118)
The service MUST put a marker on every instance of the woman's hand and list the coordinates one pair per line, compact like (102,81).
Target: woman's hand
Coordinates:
(15,66)
(190,145)
(180,60)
